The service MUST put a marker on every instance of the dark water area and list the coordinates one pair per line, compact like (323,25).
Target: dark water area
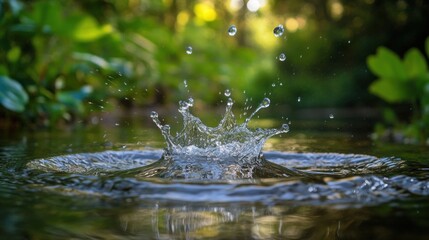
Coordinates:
(65,184)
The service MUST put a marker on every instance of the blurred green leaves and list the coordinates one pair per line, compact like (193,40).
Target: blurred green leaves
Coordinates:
(12,95)
(403,81)
(88,30)
(398,81)
(132,52)
(45,62)
(387,64)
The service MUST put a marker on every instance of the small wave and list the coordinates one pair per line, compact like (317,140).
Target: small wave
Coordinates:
(358,180)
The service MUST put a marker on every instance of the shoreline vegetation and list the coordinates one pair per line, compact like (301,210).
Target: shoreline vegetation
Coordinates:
(63,62)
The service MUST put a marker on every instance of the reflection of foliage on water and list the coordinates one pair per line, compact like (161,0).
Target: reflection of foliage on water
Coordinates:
(245,222)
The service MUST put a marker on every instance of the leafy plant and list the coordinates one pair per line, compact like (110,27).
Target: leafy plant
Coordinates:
(403,81)
(56,55)
(12,95)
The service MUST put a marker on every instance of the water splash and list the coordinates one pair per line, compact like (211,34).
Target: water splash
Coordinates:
(228,139)
(229,150)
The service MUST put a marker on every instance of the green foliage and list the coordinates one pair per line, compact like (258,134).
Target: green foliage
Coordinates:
(132,52)
(12,95)
(403,81)
(57,54)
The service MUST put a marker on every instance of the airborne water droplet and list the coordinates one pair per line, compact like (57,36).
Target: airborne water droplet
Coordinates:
(232,30)
(227,92)
(153,114)
(331,116)
(282,57)
(189,50)
(279,30)
(183,105)
(285,127)
(299,99)
(190,102)
(265,103)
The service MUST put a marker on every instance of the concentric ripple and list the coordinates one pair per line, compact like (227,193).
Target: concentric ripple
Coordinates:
(331,178)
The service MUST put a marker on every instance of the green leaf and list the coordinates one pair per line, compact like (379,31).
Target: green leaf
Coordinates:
(386,64)
(73,98)
(48,15)
(415,63)
(391,91)
(389,116)
(3,70)
(15,6)
(12,94)
(88,30)
(99,61)
(14,54)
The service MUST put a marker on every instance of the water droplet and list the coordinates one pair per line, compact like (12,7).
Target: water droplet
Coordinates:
(331,116)
(185,83)
(348,41)
(153,114)
(183,105)
(190,102)
(232,30)
(116,124)
(189,50)
(230,102)
(282,57)
(265,103)
(285,127)
(227,92)
(279,30)
(299,99)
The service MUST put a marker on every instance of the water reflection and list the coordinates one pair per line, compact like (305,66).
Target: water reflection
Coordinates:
(238,222)
(60,203)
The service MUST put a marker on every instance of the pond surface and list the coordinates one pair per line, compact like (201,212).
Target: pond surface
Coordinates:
(69,184)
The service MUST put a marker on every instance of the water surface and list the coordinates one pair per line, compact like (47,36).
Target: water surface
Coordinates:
(67,184)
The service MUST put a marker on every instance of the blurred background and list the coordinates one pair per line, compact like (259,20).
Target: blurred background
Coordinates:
(62,61)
